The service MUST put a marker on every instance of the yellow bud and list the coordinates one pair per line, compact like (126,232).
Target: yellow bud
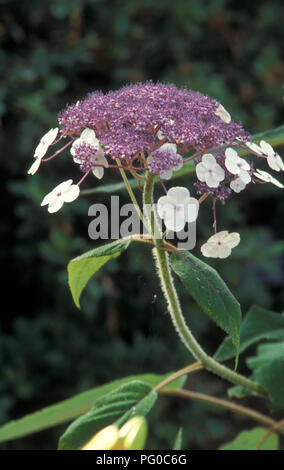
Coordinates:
(133,433)
(106,439)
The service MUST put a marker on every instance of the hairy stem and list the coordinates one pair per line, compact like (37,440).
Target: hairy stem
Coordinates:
(132,196)
(236,408)
(163,268)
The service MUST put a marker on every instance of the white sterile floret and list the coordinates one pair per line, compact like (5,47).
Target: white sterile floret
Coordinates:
(223,114)
(273,158)
(45,142)
(264,176)
(42,148)
(172,149)
(64,192)
(237,165)
(88,136)
(209,171)
(220,244)
(237,185)
(177,208)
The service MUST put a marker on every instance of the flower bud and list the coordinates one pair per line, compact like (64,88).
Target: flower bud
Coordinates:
(133,433)
(106,439)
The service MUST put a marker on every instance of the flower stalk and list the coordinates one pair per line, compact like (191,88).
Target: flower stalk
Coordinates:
(163,268)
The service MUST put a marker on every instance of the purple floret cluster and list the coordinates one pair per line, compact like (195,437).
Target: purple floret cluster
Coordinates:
(163,160)
(126,121)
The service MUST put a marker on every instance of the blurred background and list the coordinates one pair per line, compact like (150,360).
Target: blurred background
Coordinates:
(53,53)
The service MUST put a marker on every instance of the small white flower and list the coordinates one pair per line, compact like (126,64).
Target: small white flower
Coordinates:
(223,114)
(264,176)
(220,244)
(264,148)
(237,165)
(177,208)
(88,136)
(209,171)
(64,192)
(42,148)
(172,149)
(237,185)
(45,142)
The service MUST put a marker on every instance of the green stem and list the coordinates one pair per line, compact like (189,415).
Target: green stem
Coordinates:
(132,196)
(163,268)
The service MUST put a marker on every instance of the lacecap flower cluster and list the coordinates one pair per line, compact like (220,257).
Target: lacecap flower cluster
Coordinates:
(158,128)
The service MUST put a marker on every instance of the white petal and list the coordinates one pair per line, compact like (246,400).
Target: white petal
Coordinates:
(224,251)
(178,166)
(266,148)
(163,206)
(191,208)
(89,136)
(77,160)
(49,198)
(98,172)
(254,147)
(171,148)
(219,172)
(71,193)
(51,136)
(264,176)
(166,175)
(101,159)
(233,239)
(55,205)
(219,236)
(174,220)
(212,181)
(231,153)
(280,162)
(245,176)
(223,114)
(275,162)
(237,185)
(45,142)
(178,194)
(75,144)
(201,171)
(35,166)
(208,160)
(41,150)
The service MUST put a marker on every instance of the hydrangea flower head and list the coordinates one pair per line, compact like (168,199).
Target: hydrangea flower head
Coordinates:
(158,127)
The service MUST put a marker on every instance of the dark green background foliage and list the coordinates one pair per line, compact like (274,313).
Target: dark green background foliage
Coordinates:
(53,53)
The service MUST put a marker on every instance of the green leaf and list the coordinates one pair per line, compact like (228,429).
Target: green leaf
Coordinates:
(274,137)
(82,268)
(71,408)
(271,377)
(178,440)
(258,324)
(266,353)
(210,292)
(249,440)
(132,399)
